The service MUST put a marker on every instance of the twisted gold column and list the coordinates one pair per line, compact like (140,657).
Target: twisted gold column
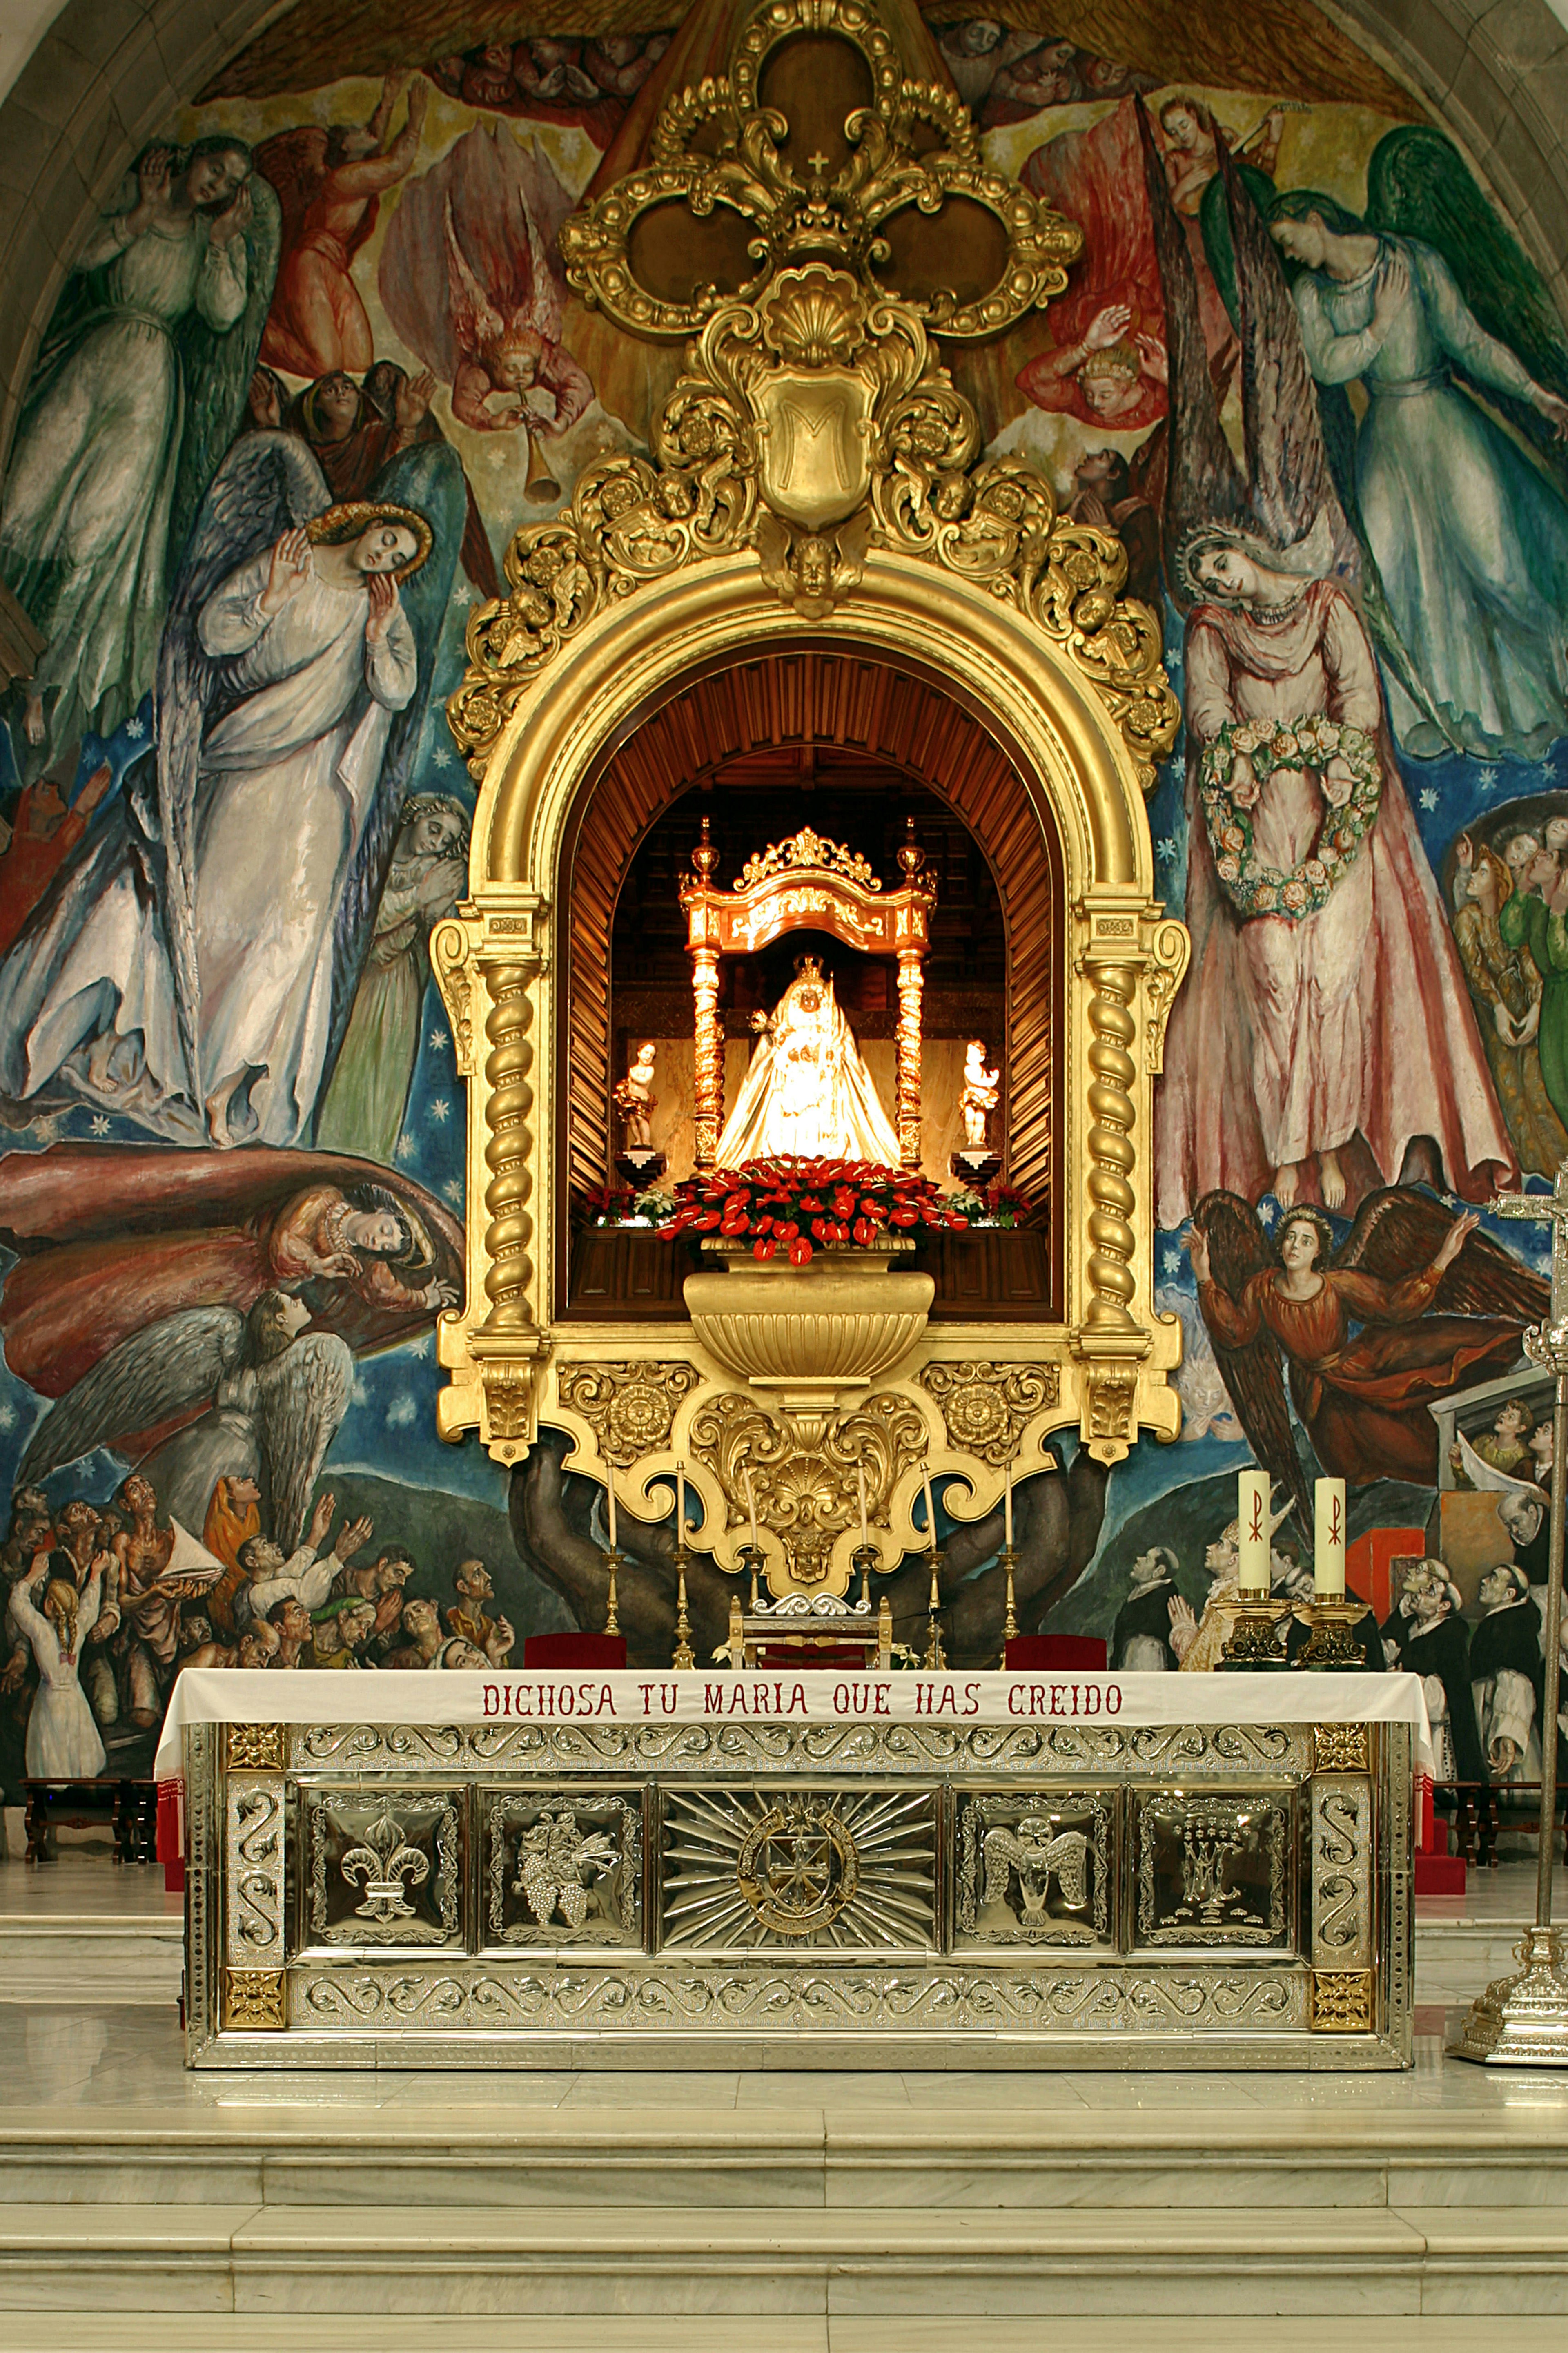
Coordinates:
(710,1054)
(912,988)
(509,1099)
(1111,1240)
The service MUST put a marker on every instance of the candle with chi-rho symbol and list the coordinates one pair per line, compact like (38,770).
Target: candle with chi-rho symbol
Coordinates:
(750,1503)
(681,1505)
(1252,1530)
(930,1511)
(1329,1541)
(610,1507)
(1007,1507)
(860,1486)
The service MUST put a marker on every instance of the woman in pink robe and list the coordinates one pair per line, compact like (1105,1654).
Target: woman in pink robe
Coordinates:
(1305,1057)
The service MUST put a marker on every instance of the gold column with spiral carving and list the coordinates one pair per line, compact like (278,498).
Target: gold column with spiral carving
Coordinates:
(1112,1156)
(912,988)
(710,1054)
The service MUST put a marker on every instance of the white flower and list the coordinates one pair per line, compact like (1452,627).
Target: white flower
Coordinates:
(452,1190)
(1268,1210)
(440,1110)
(405,1149)
(1487,779)
(440,758)
(421,1348)
(437,1041)
(1166,846)
(135,729)
(462,593)
(1429,796)
(1171,1262)
(101,1124)
(8,1417)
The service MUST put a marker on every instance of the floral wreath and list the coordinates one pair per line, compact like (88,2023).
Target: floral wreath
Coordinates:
(1255,890)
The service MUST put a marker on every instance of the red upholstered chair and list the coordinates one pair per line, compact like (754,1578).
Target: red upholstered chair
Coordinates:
(602,1653)
(1028,1653)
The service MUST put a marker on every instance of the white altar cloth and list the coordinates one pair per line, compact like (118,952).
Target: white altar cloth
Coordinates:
(816,1696)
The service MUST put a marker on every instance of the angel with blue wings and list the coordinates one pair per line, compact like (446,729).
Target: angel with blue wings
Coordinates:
(136,395)
(1431,307)
(194,967)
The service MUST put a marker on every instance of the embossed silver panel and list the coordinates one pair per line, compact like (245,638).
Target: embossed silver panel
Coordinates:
(384,1868)
(1036,1868)
(798,1868)
(834,1997)
(253,1872)
(562,1867)
(1211,1867)
(1341,1871)
(1193,1751)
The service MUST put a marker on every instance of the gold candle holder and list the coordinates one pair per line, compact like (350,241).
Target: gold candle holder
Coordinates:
(612,1560)
(685,1656)
(1332,1648)
(754,1559)
(864,1558)
(934,1660)
(1254,1645)
(1010,1621)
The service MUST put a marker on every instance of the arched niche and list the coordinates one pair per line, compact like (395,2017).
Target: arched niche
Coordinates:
(842,708)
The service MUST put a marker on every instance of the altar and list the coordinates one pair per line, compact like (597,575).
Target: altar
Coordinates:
(660,1869)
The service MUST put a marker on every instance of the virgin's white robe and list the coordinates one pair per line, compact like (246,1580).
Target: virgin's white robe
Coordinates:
(807,1092)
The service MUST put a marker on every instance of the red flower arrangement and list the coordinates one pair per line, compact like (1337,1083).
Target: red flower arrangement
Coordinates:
(799,1206)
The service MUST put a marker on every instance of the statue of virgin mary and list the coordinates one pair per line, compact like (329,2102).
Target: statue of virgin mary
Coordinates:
(807,1092)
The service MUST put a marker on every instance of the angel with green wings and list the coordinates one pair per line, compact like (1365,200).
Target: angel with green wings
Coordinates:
(1433,310)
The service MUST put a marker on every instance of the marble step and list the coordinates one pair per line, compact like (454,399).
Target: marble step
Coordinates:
(909,2264)
(1301,2159)
(91,1958)
(95,2332)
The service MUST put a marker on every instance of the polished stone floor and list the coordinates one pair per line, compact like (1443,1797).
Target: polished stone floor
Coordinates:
(144,2205)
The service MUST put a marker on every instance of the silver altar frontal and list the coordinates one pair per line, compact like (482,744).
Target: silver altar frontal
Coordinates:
(720,1870)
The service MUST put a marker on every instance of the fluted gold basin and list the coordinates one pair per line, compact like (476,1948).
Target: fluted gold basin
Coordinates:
(814,1334)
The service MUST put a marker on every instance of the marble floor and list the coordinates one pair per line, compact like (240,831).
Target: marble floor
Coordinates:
(142,2205)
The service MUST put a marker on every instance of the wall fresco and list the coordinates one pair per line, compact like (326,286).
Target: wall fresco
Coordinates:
(316,365)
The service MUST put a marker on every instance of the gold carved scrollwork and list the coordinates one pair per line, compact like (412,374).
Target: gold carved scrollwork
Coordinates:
(451,959)
(1169,949)
(255,2000)
(1113,1395)
(717,151)
(1339,1748)
(807,1478)
(629,1408)
(814,422)
(254,1747)
(1342,2001)
(985,1407)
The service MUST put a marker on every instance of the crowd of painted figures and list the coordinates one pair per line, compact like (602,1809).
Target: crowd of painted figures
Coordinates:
(106,1603)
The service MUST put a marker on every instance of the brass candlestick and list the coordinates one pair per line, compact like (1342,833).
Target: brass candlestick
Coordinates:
(933,1659)
(864,1558)
(1332,1648)
(685,1656)
(612,1560)
(752,1557)
(1254,1644)
(1010,1621)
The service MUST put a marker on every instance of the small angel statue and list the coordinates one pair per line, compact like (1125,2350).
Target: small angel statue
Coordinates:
(979,1097)
(635,1100)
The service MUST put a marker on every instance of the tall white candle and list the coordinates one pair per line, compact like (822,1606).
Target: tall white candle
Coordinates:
(1329,1545)
(1252,1530)
(750,1503)
(861,1484)
(930,1512)
(680,1503)
(610,1507)
(1007,1507)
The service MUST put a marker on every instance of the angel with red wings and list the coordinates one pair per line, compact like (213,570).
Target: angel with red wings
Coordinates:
(470,281)
(330,184)
(1415,1303)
